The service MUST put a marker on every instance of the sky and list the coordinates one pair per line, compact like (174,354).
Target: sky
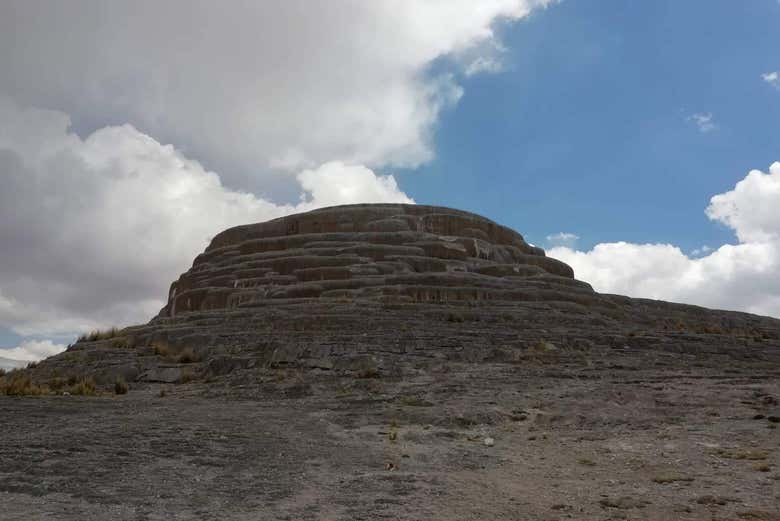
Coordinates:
(636,141)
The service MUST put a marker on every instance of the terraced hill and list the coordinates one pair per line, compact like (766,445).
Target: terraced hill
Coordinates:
(399,362)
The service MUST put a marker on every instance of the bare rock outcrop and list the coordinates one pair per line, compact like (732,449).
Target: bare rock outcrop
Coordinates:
(389,289)
(406,252)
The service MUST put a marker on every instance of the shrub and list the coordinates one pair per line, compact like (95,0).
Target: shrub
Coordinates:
(120,386)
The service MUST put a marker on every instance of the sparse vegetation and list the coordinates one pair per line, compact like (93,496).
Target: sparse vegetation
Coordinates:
(670,477)
(455,317)
(187,376)
(745,454)
(122,342)
(183,356)
(414,401)
(98,334)
(586,462)
(162,349)
(20,384)
(84,387)
(366,368)
(120,386)
(187,356)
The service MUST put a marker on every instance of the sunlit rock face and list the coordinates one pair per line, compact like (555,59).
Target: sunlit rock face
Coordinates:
(408,253)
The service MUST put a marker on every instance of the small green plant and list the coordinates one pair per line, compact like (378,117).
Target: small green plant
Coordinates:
(120,386)
(586,462)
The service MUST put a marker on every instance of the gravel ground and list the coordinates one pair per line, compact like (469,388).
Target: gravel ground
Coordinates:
(621,436)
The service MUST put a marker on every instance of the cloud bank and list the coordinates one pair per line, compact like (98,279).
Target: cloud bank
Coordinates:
(741,276)
(254,87)
(94,230)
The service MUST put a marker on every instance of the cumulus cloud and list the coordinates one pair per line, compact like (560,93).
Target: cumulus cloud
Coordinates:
(772,78)
(697,252)
(93,230)
(563,239)
(742,276)
(254,89)
(703,121)
(29,351)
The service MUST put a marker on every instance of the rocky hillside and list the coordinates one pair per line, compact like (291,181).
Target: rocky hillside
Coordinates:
(387,289)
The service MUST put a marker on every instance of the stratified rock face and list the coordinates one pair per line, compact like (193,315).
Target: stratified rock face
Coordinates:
(393,290)
(380,251)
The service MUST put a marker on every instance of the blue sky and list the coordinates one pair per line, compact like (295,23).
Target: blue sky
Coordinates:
(632,125)
(588,130)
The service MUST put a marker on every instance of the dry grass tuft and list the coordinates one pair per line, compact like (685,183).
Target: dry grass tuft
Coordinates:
(746,454)
(187,356)
(120,386)
(671,477)
(84,387)
(19,384)
(187,376)
(98,334)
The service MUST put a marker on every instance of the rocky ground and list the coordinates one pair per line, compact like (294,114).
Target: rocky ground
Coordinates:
(619,434)
(398,362)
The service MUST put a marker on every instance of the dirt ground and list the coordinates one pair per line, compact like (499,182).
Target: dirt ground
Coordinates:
(622,437)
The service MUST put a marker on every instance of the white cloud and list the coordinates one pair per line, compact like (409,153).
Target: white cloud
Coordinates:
(30,351)
(772,78)
(563,239)
(698,252)
(94,230)
(741,277)
(752,208)
(254,87)
(703,122)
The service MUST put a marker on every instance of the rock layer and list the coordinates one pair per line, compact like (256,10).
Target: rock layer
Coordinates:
(407,252)
(392,290)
